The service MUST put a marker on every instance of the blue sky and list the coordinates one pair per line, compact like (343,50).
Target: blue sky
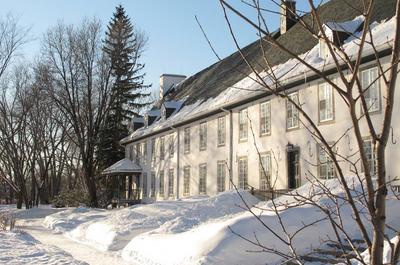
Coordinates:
(176,44)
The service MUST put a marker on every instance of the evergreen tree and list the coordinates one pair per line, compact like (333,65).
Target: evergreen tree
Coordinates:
(124,46)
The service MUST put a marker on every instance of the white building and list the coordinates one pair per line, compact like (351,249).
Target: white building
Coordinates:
(219,124)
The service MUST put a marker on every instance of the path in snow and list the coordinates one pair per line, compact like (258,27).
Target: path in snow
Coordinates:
(79,251)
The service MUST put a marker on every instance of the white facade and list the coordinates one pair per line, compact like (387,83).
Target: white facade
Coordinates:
(270,140)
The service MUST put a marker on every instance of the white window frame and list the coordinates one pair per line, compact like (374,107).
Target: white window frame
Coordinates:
(373,104)
(186,140)
(171,177)
(186,181)
(265,118)
(326,168)
(221,175)
(203,136)
(221,132)
(325,98)
(292,113)
(265,171)
(243,173)
(203,178)
(243,125)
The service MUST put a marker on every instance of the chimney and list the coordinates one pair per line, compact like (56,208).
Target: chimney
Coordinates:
(168,81)
(288,15)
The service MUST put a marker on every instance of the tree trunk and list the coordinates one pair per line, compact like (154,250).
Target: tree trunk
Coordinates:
(379,218)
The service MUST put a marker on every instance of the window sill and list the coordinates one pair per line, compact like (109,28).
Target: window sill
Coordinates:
(326,122)
(292,129)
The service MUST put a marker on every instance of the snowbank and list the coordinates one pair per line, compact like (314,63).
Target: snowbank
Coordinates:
(213,242)
(112,230)
(20,248)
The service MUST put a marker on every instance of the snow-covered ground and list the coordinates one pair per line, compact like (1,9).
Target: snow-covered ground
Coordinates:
(18,247)
(112,230)
(196,230)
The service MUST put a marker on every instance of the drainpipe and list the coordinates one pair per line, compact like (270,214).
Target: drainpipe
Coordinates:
(230,146)
(177,160)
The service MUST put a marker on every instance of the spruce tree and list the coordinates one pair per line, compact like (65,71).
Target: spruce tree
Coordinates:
(123,45)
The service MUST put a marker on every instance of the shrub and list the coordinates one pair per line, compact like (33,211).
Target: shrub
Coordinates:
(70,198)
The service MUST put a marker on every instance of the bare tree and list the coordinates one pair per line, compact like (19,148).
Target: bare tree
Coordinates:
(79,83)
(352,94)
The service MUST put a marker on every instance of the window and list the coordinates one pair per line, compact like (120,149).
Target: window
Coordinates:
(144,152)
(186,181)
(371,156)
(202,178)
(265,171)
(171,147)
(186,140)
(243,175)
(292,113)
(243,126)
(203,136)
(325,164)
(138,151)
(370,86)
(153,149)
(153,184)
(171,182)
(325,105)
(144,185)
(221,131)
(265,118)
(161,176)
(221,174)
(162,148)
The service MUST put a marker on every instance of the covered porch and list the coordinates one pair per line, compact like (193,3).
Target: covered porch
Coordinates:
(126,176)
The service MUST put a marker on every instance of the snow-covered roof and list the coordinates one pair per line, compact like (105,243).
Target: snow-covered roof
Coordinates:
(123,166)
(289,72)
(347,26)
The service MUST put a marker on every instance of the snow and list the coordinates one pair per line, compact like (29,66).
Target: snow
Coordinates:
(212,242)
(123,166)
(18,247)
(287,72)
(347,26)
(112,230)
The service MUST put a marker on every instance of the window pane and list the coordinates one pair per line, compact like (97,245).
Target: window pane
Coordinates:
(171,145)
(370,86)
(203,136)
(153,184)
(170,182)
(186,180)
(187,140)
(144,185)
(243,126)
(265,172)
(202,178)
(161,192)
(265,111)
(243,177)
(162,148)
(221,131)
(221,174)
(292,112)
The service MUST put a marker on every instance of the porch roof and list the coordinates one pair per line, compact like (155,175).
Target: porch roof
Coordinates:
(123,166)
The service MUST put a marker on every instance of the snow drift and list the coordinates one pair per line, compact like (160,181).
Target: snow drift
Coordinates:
(213,242)
(112,230)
